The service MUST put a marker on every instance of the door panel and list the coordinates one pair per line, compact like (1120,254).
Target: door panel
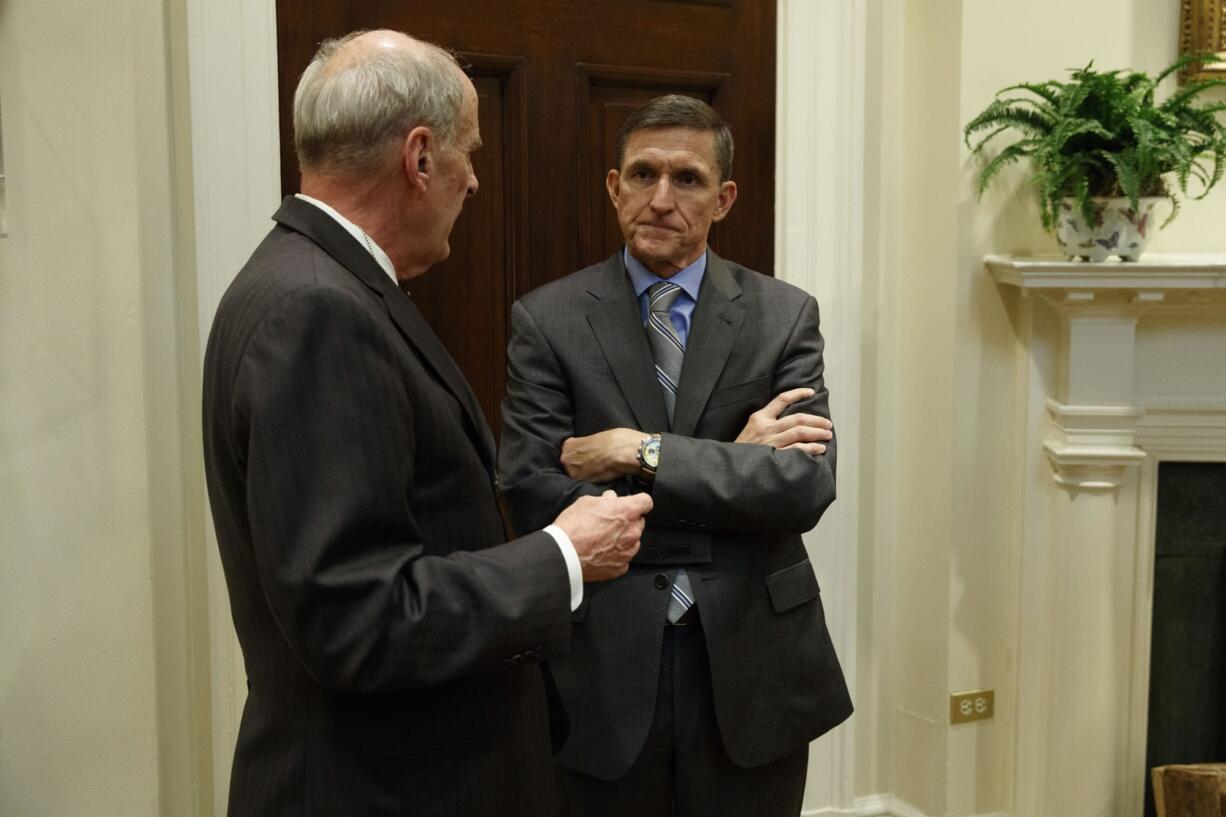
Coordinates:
(556,79)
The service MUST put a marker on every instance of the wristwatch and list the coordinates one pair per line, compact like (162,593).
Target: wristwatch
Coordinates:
(649,454)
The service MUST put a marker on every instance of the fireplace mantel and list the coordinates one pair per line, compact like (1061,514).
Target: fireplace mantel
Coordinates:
(1094,414)
(1154,273)
(1098,417)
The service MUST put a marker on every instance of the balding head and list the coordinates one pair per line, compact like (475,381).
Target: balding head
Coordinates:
(364,92)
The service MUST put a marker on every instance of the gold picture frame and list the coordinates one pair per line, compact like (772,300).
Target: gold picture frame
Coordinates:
(1202,28)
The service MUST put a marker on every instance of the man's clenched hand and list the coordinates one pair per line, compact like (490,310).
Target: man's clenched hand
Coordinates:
(605,531)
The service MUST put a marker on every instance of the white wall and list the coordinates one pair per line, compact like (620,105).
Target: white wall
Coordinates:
(94,513)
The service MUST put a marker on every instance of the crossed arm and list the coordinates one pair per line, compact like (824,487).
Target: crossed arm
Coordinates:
(777,474)
(607,455)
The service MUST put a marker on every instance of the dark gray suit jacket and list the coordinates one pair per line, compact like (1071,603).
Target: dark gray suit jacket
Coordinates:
(580,363)
(391,651)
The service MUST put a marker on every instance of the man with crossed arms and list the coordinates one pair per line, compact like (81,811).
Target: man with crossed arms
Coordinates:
(695,682)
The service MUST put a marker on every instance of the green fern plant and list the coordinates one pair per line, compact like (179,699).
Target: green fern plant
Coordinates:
(1102,135)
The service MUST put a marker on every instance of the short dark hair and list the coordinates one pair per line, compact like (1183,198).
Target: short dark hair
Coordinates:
(679,111)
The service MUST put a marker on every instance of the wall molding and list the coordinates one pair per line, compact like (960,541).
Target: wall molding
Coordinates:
(885,805)
(819,247)
(232,75)
(1090,447)
(881,805)
(175,480)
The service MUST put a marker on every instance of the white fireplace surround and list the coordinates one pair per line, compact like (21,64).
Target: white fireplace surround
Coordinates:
(1125,370)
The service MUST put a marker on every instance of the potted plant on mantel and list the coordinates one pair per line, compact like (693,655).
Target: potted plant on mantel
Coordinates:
(1104,153)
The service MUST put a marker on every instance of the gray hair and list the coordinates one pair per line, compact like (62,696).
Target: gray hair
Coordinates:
(346,116)
(678,111)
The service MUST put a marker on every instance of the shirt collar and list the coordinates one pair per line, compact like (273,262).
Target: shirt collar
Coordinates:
(689,279)
(381,258)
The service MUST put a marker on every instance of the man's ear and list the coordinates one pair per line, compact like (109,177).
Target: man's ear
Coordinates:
(727,197)
(612,184)
(418,157)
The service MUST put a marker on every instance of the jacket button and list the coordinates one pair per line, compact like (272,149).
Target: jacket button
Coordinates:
(661,581)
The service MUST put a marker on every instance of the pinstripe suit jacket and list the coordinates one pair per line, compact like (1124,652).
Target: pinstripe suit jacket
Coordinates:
(391,651)
(580,363)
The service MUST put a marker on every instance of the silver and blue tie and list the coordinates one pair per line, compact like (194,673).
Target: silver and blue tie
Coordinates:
(669,352)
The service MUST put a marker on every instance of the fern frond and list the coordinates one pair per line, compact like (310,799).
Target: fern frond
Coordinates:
(1182,63)
(1049,91)
(1001,160)
(1189,92)
(1219,168)
(1126,174)
(1081,196)
(1077,127)
(1000,113)
(978,148)
(1174,211)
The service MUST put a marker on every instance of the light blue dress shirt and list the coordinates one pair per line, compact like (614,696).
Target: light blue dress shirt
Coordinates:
(689,279)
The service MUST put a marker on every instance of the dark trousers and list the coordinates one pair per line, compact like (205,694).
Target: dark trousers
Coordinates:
(683,770)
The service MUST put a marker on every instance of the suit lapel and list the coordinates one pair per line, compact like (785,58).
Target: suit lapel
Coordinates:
(420,335)
(315,224)
(617,323)
(714,328)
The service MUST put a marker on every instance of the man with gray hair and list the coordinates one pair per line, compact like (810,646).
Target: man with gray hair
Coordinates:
(392,638)
(695,682)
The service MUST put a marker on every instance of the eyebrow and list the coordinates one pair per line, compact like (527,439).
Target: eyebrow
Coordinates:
(702,176)
(648,164)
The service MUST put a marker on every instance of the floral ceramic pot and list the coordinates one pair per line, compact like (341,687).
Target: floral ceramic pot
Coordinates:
(1117,229)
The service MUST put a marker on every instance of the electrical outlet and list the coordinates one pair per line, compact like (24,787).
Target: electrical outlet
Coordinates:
(972,705)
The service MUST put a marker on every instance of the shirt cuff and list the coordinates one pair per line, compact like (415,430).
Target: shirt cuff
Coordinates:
(573,569)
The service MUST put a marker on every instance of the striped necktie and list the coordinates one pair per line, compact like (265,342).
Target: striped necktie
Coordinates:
(669,352)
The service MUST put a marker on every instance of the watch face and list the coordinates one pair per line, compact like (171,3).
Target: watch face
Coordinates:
(651,453)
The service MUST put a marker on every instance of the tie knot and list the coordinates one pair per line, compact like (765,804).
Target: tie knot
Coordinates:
(660,297)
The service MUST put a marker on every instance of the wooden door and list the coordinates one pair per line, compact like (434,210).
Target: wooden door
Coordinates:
(556,78)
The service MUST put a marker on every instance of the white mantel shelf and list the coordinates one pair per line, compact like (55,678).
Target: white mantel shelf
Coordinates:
(1154,272)
(1094,409)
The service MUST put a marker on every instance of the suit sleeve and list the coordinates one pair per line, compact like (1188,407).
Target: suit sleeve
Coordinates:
(537,416)
(718,485)
(330,445)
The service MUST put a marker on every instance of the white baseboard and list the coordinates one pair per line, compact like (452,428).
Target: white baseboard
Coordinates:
(885,805)
(879,805)
(875,805)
